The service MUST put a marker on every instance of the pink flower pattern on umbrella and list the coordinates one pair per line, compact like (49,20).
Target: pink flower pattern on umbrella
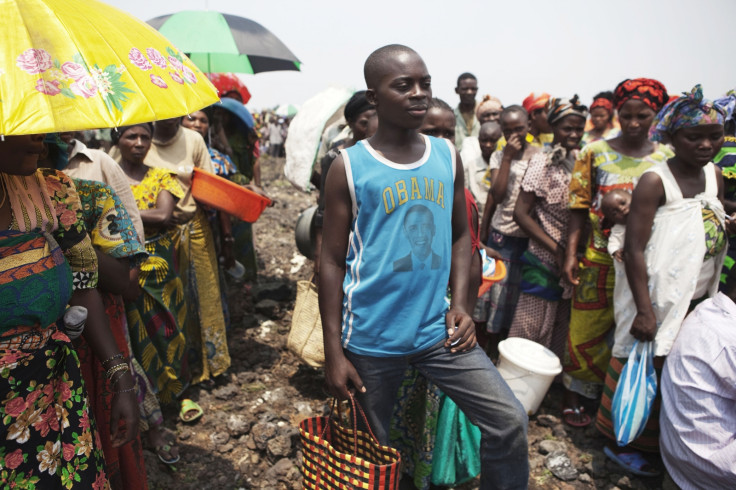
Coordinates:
(48,87)
(158,81)
(189,75)
(75,78)
(84,86)
(176,63)
(156,57)
(34,61)
(139,59)
(73,70)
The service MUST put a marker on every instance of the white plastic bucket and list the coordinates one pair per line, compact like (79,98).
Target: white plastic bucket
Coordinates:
(528,368)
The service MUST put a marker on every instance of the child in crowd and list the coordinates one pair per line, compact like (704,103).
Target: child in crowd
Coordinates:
(508,167)
(476,160)
(615,208)
(439,121)
(395,234)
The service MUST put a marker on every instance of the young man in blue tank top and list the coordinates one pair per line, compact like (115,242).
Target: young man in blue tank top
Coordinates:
(395,234)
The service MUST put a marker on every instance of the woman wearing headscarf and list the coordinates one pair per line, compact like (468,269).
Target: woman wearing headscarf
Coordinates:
(674,248)
(156,316)
(601,166)
(541,211)
(539,129)
(601,119)
(489,109)
(50,438)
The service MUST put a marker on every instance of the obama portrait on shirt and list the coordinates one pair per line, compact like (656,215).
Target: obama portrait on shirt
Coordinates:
(419,230)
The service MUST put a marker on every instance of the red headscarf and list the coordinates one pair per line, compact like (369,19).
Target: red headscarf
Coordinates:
(647,90)
(603,103)
(535,101)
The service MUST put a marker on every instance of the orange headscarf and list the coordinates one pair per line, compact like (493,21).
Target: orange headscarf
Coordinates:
(535,101)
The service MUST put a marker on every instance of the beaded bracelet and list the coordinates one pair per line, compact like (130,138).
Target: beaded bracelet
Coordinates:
(116,356)
(123,366)
(126,391)
(122,373)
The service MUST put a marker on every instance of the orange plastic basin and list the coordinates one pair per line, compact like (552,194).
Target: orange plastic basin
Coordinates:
(498,275)
(226,196)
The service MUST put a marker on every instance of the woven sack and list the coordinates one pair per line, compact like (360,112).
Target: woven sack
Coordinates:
(339,457)
(305,336)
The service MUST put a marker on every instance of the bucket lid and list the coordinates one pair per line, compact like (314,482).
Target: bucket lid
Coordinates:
(531,356)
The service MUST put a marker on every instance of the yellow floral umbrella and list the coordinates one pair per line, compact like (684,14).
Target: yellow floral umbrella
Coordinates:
(81,64)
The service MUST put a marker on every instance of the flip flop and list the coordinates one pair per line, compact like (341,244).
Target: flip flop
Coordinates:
(167,449)
(578,412)
(632,461)
(188,406)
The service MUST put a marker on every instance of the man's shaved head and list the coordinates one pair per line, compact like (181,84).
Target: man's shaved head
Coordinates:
(378,62)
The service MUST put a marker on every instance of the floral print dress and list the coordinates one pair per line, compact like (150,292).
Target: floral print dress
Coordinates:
(112,233)
(156,320)
(48,438)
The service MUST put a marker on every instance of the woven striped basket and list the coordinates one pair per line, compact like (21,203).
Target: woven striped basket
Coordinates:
(339,457)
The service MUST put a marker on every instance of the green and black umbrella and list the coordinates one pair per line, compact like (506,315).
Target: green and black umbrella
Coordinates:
(220,43)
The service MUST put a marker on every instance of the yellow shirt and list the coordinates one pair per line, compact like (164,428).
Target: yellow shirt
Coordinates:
(180,155)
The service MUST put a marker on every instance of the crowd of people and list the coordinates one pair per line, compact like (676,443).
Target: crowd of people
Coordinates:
(113,297)
(612,223)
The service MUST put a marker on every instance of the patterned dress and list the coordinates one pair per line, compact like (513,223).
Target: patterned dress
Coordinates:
(543,312)
(156,319)
(598,169)
(48,436)
(112,233)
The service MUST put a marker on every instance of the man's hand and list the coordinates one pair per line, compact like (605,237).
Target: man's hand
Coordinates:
(338,373)
(460,331)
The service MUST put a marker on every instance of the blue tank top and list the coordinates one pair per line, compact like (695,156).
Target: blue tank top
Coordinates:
(398,260)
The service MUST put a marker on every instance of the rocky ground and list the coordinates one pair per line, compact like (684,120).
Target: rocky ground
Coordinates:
(248,436)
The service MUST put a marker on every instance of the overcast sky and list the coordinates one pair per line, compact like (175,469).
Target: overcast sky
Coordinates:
(513,47)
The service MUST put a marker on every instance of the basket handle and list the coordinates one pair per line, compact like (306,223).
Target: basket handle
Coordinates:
(355,409)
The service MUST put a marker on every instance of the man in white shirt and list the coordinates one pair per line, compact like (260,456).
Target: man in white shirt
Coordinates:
(698,419)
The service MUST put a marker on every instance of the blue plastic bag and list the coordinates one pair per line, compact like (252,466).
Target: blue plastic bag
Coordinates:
(635,393)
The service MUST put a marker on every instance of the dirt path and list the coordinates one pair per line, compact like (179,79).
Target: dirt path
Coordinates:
(247,437)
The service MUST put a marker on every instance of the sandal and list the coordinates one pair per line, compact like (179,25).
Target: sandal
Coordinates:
(576,417)
(166,448)
(632,461)
(190,411)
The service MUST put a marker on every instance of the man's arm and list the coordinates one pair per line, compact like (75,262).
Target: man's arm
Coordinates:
(460,327)
(335,236)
